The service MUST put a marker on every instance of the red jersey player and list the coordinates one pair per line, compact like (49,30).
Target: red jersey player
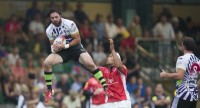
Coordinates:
(116,74)
(97,95)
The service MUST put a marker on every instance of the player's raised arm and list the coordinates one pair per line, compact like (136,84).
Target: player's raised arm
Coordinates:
(116,58)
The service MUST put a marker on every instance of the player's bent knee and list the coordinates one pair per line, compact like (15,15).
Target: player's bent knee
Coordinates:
(48,63)
(91,66)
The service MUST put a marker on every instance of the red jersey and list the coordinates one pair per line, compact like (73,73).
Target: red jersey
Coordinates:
(116,82)
(92,84)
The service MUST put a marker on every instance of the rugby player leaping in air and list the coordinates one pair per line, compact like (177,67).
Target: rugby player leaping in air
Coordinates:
(62,53)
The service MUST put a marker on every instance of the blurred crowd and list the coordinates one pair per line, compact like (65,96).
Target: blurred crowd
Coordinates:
(24,46)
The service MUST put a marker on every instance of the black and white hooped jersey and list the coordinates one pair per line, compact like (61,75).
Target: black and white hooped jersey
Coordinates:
(67,28)
(187,87)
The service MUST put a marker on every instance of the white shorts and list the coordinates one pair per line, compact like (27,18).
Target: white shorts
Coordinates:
(120,104)
(99,106)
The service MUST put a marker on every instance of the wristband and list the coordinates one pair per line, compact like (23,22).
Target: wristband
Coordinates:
(66,46)
(52,49)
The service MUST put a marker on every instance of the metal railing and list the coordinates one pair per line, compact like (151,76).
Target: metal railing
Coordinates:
(154,55)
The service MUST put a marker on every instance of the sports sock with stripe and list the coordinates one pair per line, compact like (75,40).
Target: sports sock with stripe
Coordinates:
(48,78)
(99,76)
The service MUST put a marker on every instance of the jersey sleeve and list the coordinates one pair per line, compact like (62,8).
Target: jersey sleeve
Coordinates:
(49,34)
(73,28)
(181,63)
(87,85)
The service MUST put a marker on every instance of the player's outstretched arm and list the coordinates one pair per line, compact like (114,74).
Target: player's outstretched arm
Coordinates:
(117,60)
(179,74)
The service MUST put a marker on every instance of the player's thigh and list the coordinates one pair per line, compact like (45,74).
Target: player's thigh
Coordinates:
(53,59)
(86,60)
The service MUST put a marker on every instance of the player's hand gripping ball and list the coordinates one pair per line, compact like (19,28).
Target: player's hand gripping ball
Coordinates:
(59,43)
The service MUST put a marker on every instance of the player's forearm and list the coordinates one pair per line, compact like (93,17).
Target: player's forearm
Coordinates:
(116,59)
(75,41)
(173,76)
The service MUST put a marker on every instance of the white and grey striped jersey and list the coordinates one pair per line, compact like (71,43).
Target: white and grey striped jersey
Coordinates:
(187,87)
(66,28)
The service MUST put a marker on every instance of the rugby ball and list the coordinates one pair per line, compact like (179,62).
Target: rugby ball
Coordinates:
(60,40)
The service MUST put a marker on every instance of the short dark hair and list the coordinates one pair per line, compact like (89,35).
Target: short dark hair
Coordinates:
(189,43)
(50,11)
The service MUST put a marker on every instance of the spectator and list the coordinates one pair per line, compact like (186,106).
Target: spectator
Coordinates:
(18,70)
(4,66)
(63,84)
(80,15)
(40,68)
(132,64)
(58,101)
(166,12)
(66,12)
(72,101)
(11,27)
(190,27)
(142,87)
(94,40)
(135,27)
(132,84)
(177,30)
(89,48)
(13,56)
(136,98)
(77,84)
(147,99)
(164,31)
(85,30)
(22,37)
(122,33)
(31,12)
(161,100)
(23,97)
(32,72)
(99,26)
(146,34)
(99,56)
(110,27)
(36,26)
(136,105)
(128,43)
(37,32)
(10,90)
(122,29)
(52,5)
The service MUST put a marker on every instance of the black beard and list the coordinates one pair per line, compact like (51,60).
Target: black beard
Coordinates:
(57,24)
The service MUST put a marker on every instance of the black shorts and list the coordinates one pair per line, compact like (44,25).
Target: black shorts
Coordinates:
(70,54)
(180,103)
